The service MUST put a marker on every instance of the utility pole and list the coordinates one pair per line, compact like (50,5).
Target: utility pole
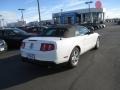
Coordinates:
(38,4)
(22,16)
(3,22)
(88,3)
(0,21)
(61,16)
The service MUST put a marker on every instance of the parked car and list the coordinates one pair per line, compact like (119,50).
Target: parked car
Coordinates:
(103,25)
(3,45)
(94,26)
(118,22)
(13,36)
(89,26)
(33,29)
(59,44)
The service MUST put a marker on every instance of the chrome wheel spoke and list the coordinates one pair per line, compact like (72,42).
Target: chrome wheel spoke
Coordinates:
(73,61)
(75,57)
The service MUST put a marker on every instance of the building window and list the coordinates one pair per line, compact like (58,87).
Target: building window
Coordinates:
(56,20)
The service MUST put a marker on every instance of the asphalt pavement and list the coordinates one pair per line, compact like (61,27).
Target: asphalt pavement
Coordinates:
(97,69)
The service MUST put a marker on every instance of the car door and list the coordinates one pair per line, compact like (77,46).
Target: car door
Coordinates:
(88,37)
(81,40)
(1,34)
(10,37)
(91,38)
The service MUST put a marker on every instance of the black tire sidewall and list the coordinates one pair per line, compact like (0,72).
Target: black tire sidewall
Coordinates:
(98,40)
(70,63)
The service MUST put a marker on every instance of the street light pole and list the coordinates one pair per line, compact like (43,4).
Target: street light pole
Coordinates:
(61,16)
(22,16)
(89,2)
(39,12)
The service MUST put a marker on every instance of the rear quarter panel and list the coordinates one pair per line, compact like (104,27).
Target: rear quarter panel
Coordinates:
(65,47)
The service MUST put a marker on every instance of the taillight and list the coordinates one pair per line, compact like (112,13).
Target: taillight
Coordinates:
(47,47)
(23,45)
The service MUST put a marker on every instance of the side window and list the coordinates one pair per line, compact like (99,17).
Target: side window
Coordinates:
(9,33)
(83,30)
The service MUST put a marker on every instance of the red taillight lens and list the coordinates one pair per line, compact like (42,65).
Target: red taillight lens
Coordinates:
(47,47)
(23,45)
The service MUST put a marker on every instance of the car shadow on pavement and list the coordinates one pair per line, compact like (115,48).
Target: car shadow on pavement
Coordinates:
(14,72)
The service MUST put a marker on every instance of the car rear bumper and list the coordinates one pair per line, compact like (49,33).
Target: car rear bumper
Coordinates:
(41,62)
(40,56)
(50,56)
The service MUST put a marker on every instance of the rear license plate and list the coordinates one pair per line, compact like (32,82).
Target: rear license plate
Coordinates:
(31,56)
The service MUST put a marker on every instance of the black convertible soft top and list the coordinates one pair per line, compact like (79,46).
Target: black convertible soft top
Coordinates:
(63,30)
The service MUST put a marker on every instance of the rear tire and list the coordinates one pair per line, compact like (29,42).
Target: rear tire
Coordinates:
(74,58)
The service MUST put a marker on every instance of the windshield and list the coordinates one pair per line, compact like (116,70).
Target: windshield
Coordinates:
(54,32)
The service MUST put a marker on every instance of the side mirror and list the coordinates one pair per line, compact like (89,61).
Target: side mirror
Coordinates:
(91,28)
(90,32)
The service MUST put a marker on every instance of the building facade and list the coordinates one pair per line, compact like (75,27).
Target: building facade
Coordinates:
(17,24)
(81,16)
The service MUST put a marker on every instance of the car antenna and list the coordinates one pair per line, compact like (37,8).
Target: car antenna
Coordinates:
(60,38)
(60,34)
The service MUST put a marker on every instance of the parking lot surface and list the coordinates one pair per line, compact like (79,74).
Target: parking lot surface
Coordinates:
(97,69)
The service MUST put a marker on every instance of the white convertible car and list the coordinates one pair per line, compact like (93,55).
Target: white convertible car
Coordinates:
(59,44)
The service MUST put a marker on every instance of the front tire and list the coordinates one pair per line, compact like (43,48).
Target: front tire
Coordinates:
(97,44)
(74,58)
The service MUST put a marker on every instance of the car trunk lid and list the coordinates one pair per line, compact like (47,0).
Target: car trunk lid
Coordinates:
(35,43)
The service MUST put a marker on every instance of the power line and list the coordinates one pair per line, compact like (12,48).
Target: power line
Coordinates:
(88,3)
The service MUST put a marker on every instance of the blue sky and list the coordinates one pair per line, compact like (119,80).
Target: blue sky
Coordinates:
(8,8)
